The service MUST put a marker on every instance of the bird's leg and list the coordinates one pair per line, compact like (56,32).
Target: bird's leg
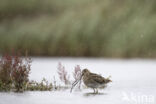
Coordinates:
(96,91)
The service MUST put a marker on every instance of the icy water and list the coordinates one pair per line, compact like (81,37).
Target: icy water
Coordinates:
(134,82)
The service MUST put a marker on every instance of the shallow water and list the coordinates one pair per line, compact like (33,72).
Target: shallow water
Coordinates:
(134,82)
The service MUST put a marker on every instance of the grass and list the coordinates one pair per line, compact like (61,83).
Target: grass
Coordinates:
(107,28)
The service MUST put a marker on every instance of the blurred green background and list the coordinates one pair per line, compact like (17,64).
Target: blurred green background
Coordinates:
(96,28)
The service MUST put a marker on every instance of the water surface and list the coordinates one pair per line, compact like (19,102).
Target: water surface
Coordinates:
(134,82)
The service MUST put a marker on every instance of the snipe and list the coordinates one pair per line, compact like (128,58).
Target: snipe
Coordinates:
(93,80)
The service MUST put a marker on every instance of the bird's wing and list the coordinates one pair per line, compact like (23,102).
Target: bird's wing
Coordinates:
(97,78)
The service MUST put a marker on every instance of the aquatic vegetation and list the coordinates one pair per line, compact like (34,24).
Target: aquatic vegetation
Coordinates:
(77,72)
(63,74)
(4,87)
(14,75)
(14,72)
(5,72)
(20,72)
(44,85)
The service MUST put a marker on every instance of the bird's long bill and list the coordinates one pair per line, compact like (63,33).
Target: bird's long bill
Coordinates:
(75,82)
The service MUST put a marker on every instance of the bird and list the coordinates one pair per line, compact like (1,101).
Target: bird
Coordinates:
(93,80)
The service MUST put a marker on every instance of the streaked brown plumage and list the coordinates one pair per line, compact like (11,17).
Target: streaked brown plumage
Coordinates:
(93,80)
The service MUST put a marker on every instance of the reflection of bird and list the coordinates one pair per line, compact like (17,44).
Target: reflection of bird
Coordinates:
(93,80)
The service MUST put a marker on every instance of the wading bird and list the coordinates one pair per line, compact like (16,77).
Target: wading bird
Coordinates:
(92,80)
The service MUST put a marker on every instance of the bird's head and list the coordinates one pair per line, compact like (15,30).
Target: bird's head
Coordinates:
(85,72)
(108,79)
